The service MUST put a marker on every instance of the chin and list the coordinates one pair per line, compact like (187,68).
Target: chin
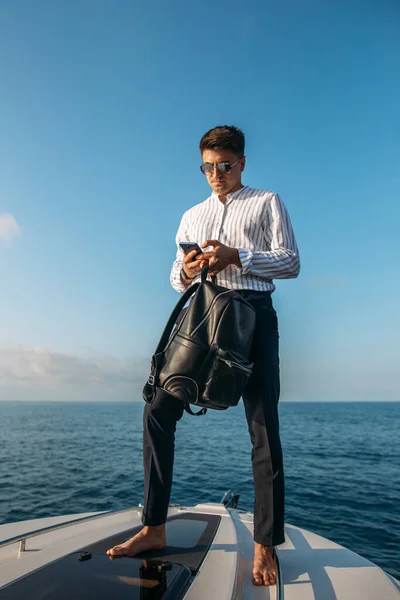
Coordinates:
(221,188)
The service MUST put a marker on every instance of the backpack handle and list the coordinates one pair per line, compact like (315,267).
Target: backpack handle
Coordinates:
(204,273)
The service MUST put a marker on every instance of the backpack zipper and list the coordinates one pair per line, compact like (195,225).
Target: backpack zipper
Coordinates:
(232,363)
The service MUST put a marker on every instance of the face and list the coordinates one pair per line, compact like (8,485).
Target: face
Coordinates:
(224,183)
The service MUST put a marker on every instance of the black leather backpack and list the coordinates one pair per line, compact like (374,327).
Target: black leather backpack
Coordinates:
(205,359)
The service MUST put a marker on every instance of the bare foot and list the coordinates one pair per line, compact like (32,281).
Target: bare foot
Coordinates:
(264,569)
(149,538)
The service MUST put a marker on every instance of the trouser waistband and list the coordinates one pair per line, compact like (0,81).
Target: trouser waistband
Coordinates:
(246,294)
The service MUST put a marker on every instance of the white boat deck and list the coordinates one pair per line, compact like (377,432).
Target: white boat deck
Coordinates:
(312,567)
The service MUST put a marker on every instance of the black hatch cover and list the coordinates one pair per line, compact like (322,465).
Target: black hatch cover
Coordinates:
(90,574)
(189,536)
(98,578)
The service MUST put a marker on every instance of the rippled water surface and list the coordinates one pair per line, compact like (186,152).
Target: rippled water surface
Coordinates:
(342,463)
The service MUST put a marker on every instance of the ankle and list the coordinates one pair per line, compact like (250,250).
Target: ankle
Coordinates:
(263,547)
(156,530)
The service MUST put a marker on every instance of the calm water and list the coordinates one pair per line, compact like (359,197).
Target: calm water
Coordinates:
(342,465)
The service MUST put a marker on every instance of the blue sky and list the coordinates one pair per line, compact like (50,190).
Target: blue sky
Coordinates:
(102,107)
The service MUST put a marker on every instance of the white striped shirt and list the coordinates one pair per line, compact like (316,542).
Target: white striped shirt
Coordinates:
(255,222)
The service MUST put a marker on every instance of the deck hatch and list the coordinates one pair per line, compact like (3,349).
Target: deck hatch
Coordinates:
(189,536)
(100,578)
(89,574)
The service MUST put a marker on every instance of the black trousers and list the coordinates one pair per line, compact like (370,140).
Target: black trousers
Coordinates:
(261,405)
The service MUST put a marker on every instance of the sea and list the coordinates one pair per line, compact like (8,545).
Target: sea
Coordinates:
(342,465)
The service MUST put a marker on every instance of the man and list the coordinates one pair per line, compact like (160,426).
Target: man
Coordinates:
(252,243)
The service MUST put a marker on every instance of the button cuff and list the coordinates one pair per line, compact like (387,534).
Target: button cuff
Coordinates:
(245,259)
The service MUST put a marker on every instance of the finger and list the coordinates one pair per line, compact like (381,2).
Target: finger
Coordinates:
(212,243)
(208,255)
(199,263)
(194,268)
(189,257)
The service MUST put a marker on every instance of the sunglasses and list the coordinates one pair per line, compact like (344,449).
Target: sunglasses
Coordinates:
(223,166)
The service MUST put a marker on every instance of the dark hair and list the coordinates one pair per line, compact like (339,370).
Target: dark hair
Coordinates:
(223,137)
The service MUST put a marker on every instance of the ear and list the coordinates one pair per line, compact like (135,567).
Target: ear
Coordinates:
(242,164)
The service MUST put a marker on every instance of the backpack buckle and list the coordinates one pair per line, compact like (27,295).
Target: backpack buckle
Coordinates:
(151,380)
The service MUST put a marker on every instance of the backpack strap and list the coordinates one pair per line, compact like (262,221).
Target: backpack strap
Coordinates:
(198,414)
(175,313)
(157,356)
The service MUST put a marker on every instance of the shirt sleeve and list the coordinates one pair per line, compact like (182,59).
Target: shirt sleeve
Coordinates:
(282,261)
(182,235)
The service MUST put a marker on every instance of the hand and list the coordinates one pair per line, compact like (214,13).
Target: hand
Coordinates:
(192,266)
(221,257)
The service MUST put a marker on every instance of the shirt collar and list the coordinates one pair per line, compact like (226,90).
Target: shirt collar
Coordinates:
(229,197)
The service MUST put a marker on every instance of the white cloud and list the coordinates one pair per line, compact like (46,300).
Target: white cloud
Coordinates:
(9,227)
(38,373)
(34,373)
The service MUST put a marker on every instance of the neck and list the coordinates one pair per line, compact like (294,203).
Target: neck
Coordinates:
(237,187)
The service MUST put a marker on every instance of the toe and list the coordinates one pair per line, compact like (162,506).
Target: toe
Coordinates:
(257,576)
(117,550)
(270,578)
(267,579)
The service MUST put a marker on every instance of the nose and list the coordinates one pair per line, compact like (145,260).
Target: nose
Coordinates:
(216,172)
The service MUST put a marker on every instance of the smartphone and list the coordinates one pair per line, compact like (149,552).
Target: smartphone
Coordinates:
(189,246)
